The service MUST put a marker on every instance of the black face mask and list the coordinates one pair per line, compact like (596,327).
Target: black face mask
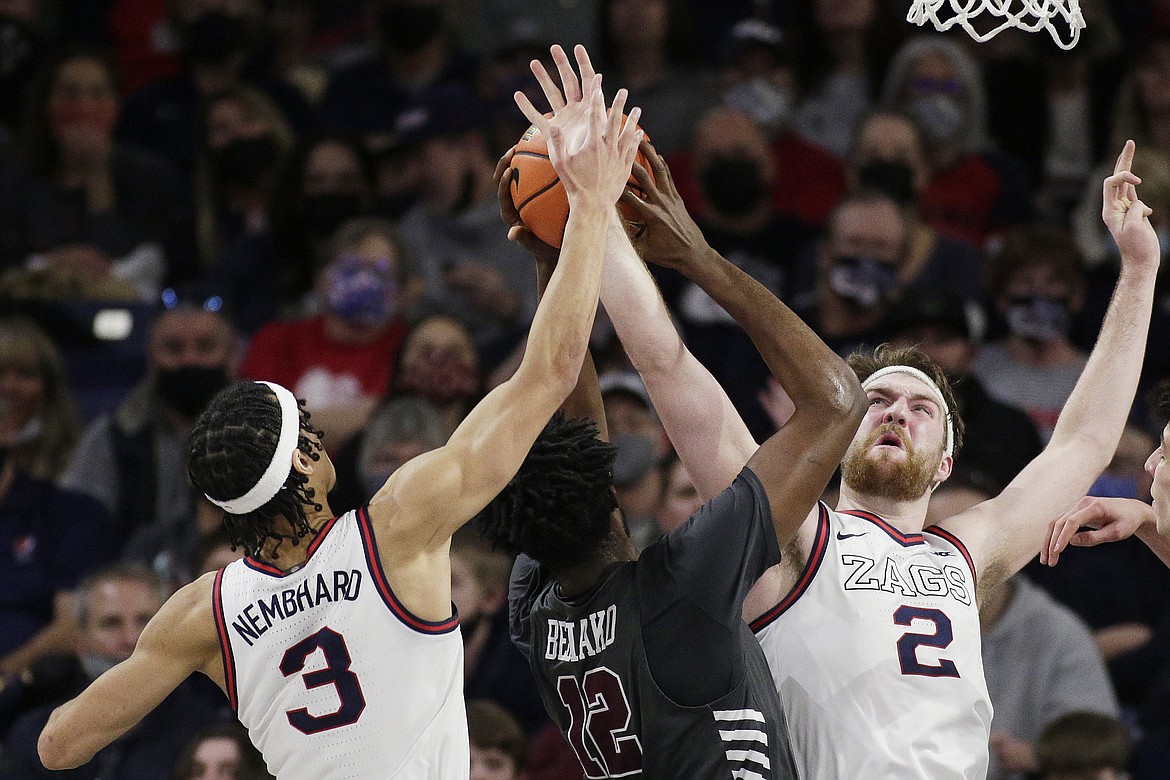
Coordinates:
(392,207)
(214,37)
(244,161)
(408,28)
(734,185)
(188,389)
(889,177)
(326,212)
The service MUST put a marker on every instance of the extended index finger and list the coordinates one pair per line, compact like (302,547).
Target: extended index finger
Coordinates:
(584,63)
(1125,159)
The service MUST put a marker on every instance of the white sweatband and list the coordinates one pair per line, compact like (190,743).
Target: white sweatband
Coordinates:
(938,396)
(276,474)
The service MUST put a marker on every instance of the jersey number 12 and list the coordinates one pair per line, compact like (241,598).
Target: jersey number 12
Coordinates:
(599,719)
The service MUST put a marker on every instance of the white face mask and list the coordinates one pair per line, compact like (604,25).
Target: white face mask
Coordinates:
(765,102)
(942,116)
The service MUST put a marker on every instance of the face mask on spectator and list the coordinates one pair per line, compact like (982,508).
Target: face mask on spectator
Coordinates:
(1115,486)
(394,206)
(1038,318)
(866,281)
(98,115)
(244,161)
(188,389)
(734,185)
(408,28)
(891,177)
(96,664)
(326,212)
(214,37)
(360,293)
(769,104)
(440,377)
(941,115)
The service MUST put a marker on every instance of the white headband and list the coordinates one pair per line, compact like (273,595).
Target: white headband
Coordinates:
(938,396)
(277,472)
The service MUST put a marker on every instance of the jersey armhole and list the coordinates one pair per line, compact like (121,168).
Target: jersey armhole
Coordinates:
(820,545)
(225,645)
(943,533)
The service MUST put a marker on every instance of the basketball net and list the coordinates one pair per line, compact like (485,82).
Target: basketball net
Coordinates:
(1030,15)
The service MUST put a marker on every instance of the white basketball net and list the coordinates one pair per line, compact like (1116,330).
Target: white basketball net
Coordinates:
(1030,15)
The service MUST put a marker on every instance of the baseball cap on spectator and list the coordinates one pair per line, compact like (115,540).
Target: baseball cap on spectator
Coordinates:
(940,310)
(444,110)
(754,35)
(627,383)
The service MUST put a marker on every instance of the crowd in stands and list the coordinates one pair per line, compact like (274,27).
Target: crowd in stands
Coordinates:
(198,191)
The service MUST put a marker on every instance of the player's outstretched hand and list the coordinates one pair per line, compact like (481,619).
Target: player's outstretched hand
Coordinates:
(1111,520)
(671,237)
(591,153)
(1127,217)
(517,231)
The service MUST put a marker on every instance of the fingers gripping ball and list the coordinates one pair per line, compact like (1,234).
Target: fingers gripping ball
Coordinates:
(540,197)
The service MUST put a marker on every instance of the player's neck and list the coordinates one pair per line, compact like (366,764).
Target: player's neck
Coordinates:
(909,517)
(291,556)
(583,577)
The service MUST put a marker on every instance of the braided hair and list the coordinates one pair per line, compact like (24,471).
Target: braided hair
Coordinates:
(230,449)
(557,508)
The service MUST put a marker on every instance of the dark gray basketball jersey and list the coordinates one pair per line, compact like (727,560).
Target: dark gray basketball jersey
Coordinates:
(614,687)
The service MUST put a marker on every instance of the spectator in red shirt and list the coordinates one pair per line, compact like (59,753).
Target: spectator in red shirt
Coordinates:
(340,361)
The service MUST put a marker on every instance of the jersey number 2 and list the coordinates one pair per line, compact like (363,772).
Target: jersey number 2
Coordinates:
(336,673)
(599,714)
(909,642)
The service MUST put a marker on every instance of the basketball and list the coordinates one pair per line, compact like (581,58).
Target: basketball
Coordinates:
(540,198)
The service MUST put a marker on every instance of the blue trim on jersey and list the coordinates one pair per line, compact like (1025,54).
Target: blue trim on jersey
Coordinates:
(943,533)
(255,564)
(374,563)
(820,545)
(906,540)
(225,645)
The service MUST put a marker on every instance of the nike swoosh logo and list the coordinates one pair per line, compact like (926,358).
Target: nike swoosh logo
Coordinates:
(841,535)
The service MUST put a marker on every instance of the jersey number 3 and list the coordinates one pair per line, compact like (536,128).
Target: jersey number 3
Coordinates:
(599,717)
(909,642)
(336,673)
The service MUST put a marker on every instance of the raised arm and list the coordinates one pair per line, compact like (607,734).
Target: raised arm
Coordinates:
(795,463)
(179,639)
(1004,533)
(426,500)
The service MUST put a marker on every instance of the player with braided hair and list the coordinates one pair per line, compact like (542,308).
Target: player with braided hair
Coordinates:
(335,637)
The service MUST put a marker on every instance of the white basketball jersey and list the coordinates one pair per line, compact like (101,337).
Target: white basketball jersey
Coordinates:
(333,677)
(876,655)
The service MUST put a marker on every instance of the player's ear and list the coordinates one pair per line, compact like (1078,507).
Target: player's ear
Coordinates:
(302,463)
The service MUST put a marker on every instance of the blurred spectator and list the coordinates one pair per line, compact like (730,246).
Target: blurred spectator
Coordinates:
(295,53)
(439,363)
(756,78)
(398,430)
(22,50)
(888,154)
(134,460)
(340,361)
(493,668)
(971,195)
(679,498)
(855,272)
(245,145)
(999,439)
(221,752)
(1084,746)
(649,47)
(38,416)
(415,54)
(87,217)
(1041,663)
(841,49)
(327,181)
(470,270)
(497,743)
(641,442)
(212,552)
(176,552)
(1037,286)
(734,171)
(113,606)
(216,39)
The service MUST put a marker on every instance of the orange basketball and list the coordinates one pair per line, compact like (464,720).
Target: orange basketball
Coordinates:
(540,197)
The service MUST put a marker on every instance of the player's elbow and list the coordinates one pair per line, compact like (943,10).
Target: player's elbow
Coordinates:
(55,749)
(844,403)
